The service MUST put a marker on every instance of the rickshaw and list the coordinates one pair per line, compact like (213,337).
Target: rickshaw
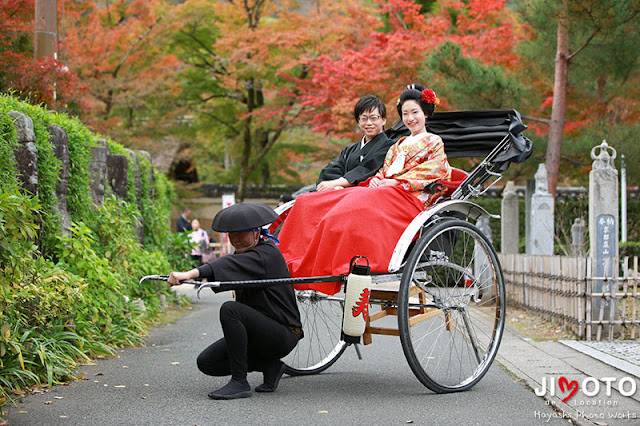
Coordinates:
(444,293)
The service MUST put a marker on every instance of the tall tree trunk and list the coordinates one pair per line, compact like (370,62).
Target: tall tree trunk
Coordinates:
(244,165)
(559,106)
(265,172)
(262,137)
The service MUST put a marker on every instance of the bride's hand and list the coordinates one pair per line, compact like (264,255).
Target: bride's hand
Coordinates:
(388,182)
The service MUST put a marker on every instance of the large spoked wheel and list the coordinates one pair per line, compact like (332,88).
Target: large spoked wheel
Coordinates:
(321,318)
(451,306)
(321,346)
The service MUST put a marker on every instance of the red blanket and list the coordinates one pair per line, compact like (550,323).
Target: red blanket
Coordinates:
(325,230)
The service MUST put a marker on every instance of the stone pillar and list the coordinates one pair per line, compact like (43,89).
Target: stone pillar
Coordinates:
(138,185)
(152,174)
(26,153)
(98,170)
(542,226)
(603,203)
(136,176)
(603,226)
(60,143)
(510,220)
(117,165)
(577,237)
(481,267)
(530,188)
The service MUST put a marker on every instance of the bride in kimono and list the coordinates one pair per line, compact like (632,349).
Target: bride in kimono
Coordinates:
(325,230)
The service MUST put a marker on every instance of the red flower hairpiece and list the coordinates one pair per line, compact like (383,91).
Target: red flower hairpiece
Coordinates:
(429,96)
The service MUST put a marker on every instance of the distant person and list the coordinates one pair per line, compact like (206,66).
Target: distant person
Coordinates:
(183,221)
(284,199)
(200,238)
(361,160)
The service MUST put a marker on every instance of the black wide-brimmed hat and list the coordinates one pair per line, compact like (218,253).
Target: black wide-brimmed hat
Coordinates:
(243,217)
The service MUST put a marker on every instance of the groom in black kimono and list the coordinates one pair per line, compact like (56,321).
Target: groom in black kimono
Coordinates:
(361,160)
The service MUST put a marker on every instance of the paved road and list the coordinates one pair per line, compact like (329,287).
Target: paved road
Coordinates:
(160,385)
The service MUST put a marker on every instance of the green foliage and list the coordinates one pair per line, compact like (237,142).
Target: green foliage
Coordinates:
(105,291)
(48,164)
(68,295)
(48,295)
(463,80)
(81,139)
(18,232)
(7,146)
(577,152)
(630,248)
(615,45)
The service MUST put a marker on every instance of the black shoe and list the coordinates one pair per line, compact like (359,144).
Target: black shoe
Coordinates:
(232,390)
(272,378)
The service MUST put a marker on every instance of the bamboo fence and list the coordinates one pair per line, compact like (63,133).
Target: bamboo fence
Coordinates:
(566,290)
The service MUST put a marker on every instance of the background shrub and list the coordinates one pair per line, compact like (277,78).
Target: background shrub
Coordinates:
(66,295)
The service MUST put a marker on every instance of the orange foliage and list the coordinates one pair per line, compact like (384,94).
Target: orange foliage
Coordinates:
(116,50)
(42,80)
(389,60)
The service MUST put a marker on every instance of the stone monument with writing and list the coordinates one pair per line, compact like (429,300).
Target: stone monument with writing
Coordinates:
(541,238)
(603,205)
(603,225)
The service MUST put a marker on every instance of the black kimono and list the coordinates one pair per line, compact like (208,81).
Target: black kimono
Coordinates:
(262,325)
(357,165)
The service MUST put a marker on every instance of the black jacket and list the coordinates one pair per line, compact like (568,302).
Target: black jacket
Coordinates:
(264,261)
(183,224)
(348,165)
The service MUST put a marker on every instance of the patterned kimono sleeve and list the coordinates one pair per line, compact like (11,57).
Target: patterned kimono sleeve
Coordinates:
(428,166)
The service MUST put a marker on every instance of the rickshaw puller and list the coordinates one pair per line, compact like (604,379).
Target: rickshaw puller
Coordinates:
(263,324)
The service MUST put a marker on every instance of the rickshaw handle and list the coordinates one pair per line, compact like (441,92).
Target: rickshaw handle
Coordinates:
(219,286)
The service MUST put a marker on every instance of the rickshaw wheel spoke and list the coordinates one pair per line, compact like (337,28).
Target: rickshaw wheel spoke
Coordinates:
(451,345)
(321,317)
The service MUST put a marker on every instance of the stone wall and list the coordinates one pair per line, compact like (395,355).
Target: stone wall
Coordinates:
(106,170)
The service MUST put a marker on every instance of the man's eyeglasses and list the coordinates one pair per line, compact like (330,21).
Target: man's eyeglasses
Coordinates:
(364,118)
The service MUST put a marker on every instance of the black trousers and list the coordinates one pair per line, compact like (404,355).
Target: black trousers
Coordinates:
(252,342)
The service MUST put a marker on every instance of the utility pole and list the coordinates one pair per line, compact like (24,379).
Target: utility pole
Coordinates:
(46,29)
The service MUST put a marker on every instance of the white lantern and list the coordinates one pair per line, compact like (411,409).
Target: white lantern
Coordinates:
(356,301)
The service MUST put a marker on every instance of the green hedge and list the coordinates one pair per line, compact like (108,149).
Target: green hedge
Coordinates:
(66,296)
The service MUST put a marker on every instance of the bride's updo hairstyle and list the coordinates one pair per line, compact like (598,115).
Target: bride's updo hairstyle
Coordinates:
(425,97)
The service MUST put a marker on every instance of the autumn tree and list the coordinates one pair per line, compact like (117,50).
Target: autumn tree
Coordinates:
(598,42)
(41,80)
(399,53)
(118,49)
(248,66)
